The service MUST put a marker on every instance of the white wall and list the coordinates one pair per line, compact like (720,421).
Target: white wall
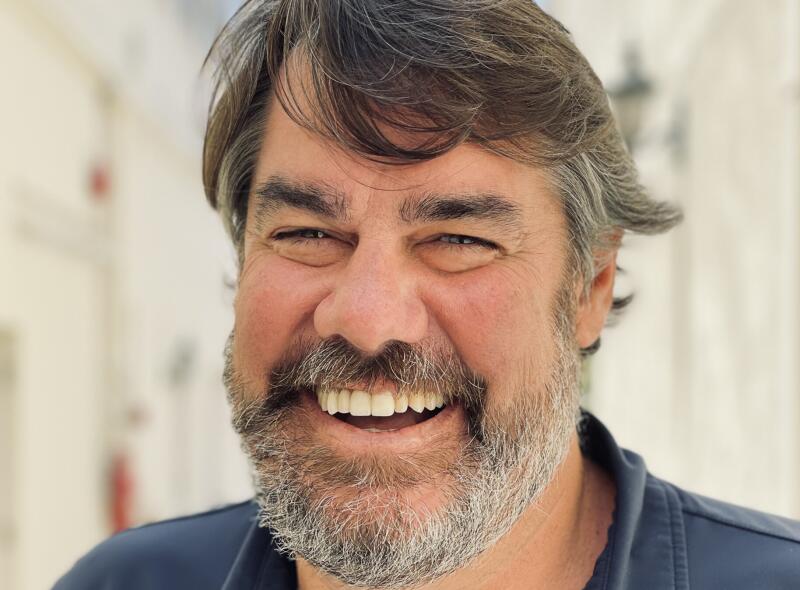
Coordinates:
(701,376)
(51,291)
(118,308)
(173,262)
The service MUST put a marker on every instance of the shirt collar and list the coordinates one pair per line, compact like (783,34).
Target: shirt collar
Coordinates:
(259,565)
(647,547)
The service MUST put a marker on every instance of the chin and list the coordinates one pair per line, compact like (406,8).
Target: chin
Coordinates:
(369,486)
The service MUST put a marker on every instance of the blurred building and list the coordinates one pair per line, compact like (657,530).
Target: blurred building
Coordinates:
(701,376)
(113,300)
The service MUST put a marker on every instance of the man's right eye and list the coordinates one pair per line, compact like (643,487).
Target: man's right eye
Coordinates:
(312,247)
(301,234)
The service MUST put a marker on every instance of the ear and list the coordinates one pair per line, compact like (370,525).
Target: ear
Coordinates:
(594,307)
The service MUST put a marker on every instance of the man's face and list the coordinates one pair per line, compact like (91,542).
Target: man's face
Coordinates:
(443,282)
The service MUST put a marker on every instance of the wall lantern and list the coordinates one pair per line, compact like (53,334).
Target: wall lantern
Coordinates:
(629,97)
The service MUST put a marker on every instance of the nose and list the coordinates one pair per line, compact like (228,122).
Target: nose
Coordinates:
(374,301)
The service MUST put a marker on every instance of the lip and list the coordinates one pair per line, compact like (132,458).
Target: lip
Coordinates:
(448,422)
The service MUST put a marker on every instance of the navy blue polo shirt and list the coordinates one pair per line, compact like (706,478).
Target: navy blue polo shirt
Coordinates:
(662,538)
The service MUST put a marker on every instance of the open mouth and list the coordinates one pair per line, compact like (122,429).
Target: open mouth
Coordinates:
(381,411)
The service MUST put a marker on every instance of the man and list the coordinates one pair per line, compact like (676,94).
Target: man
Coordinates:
(427,199)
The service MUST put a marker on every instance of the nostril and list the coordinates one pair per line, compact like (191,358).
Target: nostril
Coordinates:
(368,331)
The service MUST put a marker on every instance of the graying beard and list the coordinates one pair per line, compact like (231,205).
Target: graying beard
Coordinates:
(376,539)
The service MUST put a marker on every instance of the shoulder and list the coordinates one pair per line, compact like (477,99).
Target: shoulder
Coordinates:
(729,546)
(189,552)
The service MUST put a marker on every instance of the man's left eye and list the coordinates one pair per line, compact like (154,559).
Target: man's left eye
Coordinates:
(459,240)
(457,252)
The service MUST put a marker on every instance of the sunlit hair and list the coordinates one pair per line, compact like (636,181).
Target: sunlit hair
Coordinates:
(501,74)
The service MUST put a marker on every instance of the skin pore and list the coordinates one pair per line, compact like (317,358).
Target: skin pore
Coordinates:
(468,249)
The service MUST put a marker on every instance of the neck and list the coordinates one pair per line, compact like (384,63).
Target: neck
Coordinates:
(555,543)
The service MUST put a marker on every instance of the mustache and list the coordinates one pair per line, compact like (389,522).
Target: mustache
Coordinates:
(334,361)
(309,364)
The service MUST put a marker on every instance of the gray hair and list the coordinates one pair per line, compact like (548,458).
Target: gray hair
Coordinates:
(501,74)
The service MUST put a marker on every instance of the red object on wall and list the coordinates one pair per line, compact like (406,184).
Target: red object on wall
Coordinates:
(121,493)
(100,181)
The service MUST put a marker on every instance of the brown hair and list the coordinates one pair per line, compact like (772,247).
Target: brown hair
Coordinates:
(498,73)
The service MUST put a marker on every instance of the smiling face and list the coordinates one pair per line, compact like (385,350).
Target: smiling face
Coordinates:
(403,364)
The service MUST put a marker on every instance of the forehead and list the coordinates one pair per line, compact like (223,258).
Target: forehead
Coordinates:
(292,152)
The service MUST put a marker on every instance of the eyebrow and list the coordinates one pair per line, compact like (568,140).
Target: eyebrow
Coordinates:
(449,207)
(318,199)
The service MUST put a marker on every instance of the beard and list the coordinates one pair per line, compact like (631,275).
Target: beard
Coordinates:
(358,518)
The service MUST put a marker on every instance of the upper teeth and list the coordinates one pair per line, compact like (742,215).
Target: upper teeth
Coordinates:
(382,403)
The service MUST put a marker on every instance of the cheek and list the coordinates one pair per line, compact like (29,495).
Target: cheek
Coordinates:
(274,305)
(500,323)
